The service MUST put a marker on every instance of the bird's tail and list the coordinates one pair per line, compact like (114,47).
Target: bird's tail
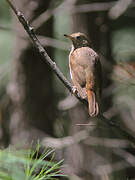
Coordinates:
(93,104)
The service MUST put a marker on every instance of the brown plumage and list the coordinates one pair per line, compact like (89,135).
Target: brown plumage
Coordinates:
(85,70)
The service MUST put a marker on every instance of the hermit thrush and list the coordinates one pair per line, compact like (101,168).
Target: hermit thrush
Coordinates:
(85,71)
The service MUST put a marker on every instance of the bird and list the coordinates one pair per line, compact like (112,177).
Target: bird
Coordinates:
(85,71)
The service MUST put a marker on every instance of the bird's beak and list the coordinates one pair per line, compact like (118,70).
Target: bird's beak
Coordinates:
(68,36)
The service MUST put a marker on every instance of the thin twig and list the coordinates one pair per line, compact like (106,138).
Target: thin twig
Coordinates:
(59,74)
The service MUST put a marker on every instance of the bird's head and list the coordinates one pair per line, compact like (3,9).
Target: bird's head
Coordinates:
(78,39)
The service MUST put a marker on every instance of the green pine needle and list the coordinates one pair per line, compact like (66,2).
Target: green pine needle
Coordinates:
(29,164)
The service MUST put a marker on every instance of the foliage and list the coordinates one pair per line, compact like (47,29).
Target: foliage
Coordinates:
(28,164)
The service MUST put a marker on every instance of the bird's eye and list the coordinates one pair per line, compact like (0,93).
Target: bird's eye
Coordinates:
(78,37)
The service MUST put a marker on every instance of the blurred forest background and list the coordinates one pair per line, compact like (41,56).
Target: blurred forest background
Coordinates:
(35,105)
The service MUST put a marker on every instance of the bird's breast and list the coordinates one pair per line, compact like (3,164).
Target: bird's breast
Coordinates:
(84,56)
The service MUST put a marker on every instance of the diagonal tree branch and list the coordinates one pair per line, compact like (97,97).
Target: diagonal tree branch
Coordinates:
(42,18)
(119,8)
(57,71)
(42,51)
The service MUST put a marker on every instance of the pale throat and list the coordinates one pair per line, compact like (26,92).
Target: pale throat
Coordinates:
(72,48)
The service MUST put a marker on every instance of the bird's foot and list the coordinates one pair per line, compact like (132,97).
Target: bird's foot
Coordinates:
(74,89)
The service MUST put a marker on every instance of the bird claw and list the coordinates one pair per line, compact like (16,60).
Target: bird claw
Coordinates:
(74,89)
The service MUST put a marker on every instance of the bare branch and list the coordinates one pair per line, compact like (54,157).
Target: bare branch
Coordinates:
(60,143)
(93,7)
(66,5)
(103,6)
(68,103)
(100,6)
(59,74)
(119,8)
(118,128)
(107,142)
(85,8)
(39,47)
(110,168)
(47,41)
(42,51)
(128,157)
